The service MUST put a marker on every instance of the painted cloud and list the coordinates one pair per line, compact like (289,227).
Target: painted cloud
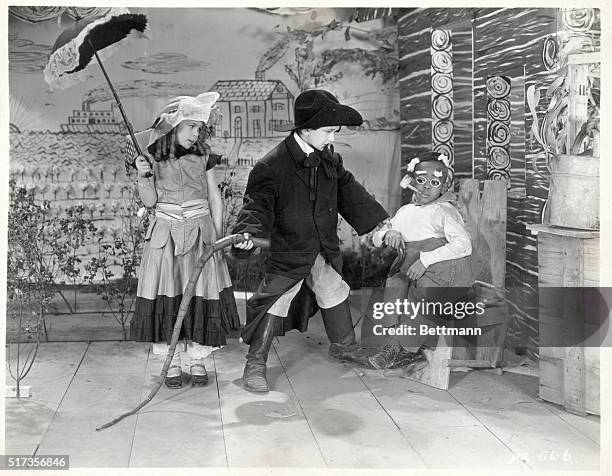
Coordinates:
(39,14)
(25,56)
(165,63)
(144,87)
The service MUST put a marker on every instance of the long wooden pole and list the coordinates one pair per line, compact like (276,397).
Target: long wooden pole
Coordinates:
(187,295)
(121,110)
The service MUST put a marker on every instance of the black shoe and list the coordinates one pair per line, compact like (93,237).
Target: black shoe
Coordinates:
(406,358)
(174,375)
(199,376)
(254,376)
(354,353)
(384,358)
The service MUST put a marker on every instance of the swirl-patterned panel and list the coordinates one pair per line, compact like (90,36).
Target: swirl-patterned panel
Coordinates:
(578,19)
(498,128)
(442,123)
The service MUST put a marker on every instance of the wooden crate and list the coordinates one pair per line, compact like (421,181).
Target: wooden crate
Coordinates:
(567,257)
(569,375)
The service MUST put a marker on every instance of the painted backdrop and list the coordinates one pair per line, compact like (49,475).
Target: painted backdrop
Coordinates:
(67,144)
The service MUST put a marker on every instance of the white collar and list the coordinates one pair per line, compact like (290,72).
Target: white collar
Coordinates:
(307,148)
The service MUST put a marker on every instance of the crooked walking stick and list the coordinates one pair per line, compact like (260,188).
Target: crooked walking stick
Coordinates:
(187,295)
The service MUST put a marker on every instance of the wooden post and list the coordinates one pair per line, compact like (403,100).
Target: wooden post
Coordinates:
(578,100)
(578,84)
(492,228)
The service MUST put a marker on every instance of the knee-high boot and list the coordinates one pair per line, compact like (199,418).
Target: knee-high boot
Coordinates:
(254,377)
(340,332)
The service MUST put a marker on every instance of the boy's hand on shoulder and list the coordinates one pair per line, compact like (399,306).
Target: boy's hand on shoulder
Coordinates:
(416,270)
(394,239)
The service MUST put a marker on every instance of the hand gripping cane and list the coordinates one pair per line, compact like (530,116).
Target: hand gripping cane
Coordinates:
(187,295)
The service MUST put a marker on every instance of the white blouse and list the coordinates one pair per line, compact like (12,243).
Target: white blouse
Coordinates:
(434,220)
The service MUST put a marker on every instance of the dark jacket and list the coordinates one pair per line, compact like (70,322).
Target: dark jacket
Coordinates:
(277,206)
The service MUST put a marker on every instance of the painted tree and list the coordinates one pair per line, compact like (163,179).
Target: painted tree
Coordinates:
(313,67)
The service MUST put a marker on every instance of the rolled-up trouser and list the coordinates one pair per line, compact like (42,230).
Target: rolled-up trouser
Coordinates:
(443,282)
(327,285)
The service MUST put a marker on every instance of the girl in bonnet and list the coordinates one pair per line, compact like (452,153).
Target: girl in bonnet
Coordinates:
(188,216)
(433,246)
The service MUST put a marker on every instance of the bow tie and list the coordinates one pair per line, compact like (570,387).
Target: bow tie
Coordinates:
(325,158)
(312,160)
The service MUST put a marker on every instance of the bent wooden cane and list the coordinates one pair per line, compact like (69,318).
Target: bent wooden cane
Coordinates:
(187,295)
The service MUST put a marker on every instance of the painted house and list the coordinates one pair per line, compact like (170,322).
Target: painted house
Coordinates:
(252,108)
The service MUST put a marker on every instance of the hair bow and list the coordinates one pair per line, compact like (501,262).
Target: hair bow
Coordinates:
(445,160)
(412,164)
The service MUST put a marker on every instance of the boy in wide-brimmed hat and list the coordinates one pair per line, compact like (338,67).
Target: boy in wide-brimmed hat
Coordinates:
(293,196)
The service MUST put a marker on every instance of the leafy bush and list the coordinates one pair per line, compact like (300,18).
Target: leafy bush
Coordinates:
(246,274)
(43,250)
(367,266)
(21,357)
(232,195)
(123,251)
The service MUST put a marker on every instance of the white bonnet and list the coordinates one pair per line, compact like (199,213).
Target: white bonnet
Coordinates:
(183,108)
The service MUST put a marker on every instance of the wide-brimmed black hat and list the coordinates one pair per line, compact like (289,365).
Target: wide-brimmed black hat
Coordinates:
(318,108)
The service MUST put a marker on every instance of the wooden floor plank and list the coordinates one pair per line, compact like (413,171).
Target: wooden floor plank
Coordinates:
(443,432)
(27,419)
(589,425)
(52,371)
(539,437)
(73,433)
(115,357)
(179,427)
(267,430)
(347,421)
(93,398)
(319,414)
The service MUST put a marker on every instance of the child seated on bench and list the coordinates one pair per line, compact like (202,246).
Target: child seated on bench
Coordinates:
(434,251)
